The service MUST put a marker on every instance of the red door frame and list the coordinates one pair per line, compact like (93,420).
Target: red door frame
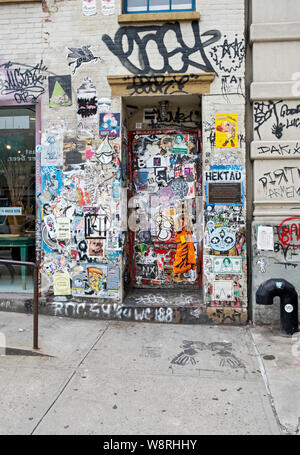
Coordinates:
(131,192)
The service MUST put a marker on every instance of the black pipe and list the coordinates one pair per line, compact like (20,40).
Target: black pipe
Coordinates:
(288,302)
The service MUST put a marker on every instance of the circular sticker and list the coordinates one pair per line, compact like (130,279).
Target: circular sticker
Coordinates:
(288,308)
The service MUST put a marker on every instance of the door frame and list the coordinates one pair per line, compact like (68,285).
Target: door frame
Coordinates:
(38,134)
(131,233)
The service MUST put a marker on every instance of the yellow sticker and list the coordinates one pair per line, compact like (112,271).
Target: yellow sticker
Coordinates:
(226,130)
(61,284)
(182,239)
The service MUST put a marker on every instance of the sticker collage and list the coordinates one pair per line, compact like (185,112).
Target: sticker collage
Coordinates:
(224,217)
(166,180)
(79,198)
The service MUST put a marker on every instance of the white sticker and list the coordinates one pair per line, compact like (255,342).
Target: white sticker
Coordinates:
(265,240)
(104,105)
(89,7)
(288,308)
(10,210)
(108,7)
(223,290)
(63,228)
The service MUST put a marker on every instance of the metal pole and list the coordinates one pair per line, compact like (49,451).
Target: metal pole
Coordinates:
(35,309)
(35,295)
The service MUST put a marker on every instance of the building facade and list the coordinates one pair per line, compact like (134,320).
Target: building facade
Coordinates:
(124,126)
(275,97)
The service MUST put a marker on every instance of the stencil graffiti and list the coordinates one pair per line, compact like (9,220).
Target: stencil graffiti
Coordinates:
(262,265)
(81,55)
(191,354)
(139,37)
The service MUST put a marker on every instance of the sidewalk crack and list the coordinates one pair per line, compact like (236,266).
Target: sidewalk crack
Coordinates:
(70,378)
(266,382)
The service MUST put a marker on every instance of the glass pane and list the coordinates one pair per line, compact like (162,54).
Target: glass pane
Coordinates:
(159,5)
(136,5)
(181,4)
(17,196)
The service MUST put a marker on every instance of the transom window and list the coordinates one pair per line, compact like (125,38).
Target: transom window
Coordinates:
(156,6)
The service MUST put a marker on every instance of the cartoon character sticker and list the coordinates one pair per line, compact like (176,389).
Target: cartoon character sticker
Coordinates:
(96,278)
(226,130)
(109,125)
(221,239)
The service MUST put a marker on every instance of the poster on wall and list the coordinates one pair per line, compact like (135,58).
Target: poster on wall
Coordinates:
(113,277)
(51,150)
(61,284)
(63,228)
(180,144)
(89,7)
(73,153)
(104,105)
(87,100)
(108,7)
(265,238)
(60,92)
(227,264)
(95,248)
(97,277)
(109,125)
(226,129)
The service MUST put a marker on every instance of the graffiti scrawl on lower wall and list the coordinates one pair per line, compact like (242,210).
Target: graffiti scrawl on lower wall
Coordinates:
(115,311)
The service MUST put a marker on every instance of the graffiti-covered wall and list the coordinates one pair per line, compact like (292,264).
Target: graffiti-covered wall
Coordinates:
(275,149)
(85,64)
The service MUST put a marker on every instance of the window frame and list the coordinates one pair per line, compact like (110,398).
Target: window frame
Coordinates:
(157,11)
(38,108)
(20,1)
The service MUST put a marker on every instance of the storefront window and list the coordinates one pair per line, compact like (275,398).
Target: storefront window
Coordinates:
(17,196)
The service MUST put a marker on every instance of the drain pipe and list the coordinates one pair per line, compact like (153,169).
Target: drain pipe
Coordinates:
(277,287)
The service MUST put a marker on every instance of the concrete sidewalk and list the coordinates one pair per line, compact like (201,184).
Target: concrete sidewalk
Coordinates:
(127,378)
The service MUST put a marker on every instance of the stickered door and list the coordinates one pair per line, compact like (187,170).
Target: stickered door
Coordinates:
(163,209)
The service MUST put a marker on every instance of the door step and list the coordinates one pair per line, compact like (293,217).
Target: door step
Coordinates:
(162,306)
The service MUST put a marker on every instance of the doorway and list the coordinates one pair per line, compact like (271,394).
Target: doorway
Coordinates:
(164,228)
(17,196)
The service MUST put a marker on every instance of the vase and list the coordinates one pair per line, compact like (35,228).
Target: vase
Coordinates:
(16,223)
